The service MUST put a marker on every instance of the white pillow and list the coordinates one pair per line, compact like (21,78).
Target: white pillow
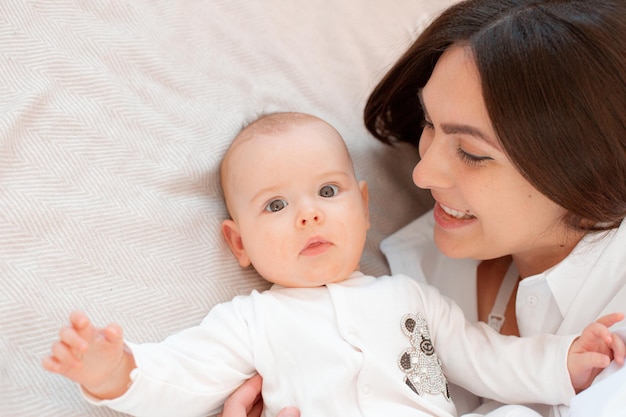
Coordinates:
(114,116)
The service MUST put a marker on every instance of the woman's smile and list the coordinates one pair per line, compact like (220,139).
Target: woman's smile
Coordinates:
(449,218)
(457,214)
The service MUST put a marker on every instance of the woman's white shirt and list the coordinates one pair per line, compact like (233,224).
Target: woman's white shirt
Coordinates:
(411,251)
(587,284)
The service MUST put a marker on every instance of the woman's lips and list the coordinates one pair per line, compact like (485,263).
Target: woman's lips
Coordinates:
(449,218)
(457,214)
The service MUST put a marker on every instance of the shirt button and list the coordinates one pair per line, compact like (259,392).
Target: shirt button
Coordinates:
(532,300)
(366,389)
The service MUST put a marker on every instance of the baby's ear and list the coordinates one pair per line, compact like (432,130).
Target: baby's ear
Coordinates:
(233,238)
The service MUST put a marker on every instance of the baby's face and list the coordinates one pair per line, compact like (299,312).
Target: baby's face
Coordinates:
(298,209)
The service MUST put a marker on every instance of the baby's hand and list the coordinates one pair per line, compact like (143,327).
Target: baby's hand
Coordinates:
(593,350)
(93,357)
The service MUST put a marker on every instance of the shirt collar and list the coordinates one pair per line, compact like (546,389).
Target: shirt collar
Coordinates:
(567,278)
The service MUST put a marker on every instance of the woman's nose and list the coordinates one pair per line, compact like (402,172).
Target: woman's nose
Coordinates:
(433,169)
(308,216)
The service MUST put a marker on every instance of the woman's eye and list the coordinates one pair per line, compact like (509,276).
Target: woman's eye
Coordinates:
(470,159)
(276,205)
(328,191)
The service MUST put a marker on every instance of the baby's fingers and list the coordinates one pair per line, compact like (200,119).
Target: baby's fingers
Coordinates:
(50,364)
(595,360)
(596,337)
(113,333)
(75,342)
(80,322)
(619,349)
(610,319)
(61,360)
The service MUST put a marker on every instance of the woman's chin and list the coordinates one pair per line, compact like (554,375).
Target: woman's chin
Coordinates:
(454,247)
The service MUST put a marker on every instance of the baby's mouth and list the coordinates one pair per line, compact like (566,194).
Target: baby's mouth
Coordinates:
(315,246)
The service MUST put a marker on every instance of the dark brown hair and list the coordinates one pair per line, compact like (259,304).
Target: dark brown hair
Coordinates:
(553,77)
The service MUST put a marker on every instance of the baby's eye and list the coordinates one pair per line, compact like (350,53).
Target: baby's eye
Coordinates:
(328,191)
(276,205)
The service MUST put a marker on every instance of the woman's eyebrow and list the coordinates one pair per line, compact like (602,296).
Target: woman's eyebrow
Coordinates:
(453,128)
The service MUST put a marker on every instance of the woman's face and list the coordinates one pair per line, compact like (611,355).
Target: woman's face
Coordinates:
(484,207)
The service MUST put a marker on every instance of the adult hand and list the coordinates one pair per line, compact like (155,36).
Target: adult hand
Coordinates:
(247,401)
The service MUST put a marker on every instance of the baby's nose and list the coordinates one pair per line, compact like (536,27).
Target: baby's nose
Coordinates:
(309,215)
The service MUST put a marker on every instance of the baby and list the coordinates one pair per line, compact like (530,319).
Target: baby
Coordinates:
(326,337)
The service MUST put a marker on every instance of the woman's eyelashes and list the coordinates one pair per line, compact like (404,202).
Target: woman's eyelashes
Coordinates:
(467,157)
(471,159)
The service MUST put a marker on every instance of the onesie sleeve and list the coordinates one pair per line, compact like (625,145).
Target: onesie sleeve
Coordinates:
(192,372)
(508,369)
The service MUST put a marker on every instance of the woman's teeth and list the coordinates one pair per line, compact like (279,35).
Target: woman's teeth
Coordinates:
(456,213)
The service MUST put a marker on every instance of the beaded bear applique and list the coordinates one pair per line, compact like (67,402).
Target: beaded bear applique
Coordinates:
(420,361)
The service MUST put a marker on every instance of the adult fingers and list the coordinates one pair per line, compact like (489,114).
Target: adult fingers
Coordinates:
(246,401)
(289,412)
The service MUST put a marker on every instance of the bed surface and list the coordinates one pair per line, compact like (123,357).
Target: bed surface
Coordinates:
(114,116)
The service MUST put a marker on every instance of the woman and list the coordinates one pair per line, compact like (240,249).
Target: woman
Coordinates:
(518,109)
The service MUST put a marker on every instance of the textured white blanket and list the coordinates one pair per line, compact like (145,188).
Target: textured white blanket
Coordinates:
(113,118)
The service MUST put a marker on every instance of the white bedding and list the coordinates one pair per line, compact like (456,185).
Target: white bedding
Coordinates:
(113,118)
